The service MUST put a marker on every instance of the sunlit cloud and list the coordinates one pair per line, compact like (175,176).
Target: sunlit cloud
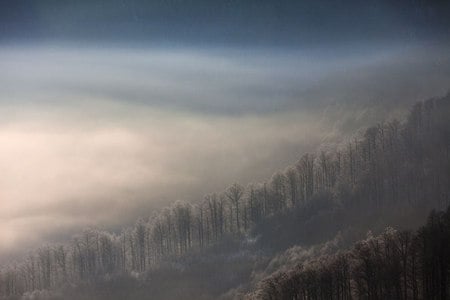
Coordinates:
(99,137)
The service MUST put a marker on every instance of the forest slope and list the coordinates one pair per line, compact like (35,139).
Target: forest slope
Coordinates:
(392,175)
(394,265)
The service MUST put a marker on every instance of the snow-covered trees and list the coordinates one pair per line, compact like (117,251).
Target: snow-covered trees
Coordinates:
(394,265)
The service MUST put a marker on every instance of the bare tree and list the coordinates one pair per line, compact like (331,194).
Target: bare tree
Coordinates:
(234,194)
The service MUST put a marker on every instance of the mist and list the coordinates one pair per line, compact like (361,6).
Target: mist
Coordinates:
(224,150)
(96,136)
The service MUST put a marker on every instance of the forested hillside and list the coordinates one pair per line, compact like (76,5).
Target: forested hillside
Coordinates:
(394,265)
(393,174)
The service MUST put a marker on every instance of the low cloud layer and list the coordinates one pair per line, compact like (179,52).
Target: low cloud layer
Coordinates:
(99,137)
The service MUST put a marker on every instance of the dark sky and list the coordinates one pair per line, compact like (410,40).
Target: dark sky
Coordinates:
(274,23)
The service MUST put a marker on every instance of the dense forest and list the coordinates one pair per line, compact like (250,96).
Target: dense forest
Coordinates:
(392,174)
(393,265)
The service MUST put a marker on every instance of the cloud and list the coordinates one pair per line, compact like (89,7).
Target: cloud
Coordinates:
(59,173)
(99,137)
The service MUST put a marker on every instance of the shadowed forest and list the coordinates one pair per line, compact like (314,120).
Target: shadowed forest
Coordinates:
(392,265)
(349,222)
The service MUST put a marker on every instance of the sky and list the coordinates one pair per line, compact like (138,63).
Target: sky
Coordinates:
(112,110)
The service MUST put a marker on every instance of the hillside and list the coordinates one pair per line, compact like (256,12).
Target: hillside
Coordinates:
(223,246)
(393,265)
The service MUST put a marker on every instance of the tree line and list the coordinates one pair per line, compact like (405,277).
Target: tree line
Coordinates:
(402,164)
(396,265)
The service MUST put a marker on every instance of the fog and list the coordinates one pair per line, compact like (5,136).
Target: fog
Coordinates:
(99,136)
